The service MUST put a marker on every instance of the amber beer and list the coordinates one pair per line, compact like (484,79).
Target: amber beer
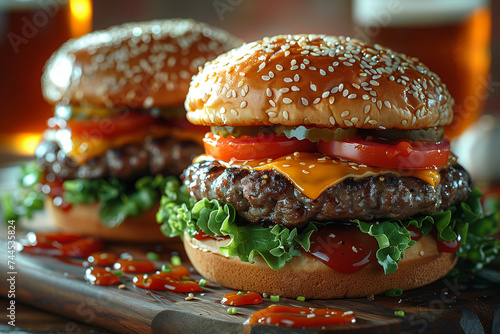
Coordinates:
(30,31)
(452,37)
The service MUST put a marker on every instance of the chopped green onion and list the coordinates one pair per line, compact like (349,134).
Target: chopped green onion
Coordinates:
(202,282)
(118,273)
(232,310)
(275,298)
(399,313)
(153,256)
(301,298)
(240,293)
(166,268)
(176,260)
(394,293)
(185,278)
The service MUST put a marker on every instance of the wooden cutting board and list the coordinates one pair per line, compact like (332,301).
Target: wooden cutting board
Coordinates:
(58,286)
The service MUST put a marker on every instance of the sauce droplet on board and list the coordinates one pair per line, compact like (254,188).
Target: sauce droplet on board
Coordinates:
(343,247)
(58,244)
(241,298)
(290,316)
(134,266)
(102,259)
(176,280)
(100,276)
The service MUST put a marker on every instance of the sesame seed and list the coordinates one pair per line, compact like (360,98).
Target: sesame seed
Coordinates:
(374,83)
(404,122)
(313,87)
(352,96)
(295,88)
(233,93)
(322,159)
(421,253)
(373,93)
(271,74)
(121,286)
(367,108)
(379,104)
(266,78)
(287,53)
(261,66)
(285,114)
(335,63)
(296,78)
(325,94)
(240,83)
(293,62)
(312,166)
(345,93)
(375,77)
(387,104)
(312,68)
(331,99)
(293,68)
(341,87)
(304,101)
(287,80)
(354,120)
(330,68)
(286,165)
(222,110)
(316,101)
(372,122)
(345,113)
(305,171)
(366,97)
(272,103)
(348,123)
(355,85)
(243,104)
(354,249)
(306,61)
(272,114)
(332,120)
(363,74)
(334,90)
(347,63)
(405,78)
(302,163)
(279,67)
(284,90)
(286,100)
(322,72)
(234,112)
(302,66)
(391,78)
(269,93)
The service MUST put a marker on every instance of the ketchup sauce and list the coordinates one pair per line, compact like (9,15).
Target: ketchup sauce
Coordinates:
(102,259)
(176,280)
(290,316)
(100,276)
(449,246)
(343,247)
(134,266)
(59,244)
(241,298)
(415,232)
(203,236)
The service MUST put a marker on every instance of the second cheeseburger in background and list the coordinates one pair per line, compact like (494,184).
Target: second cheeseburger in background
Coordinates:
(326,172)
(119,127)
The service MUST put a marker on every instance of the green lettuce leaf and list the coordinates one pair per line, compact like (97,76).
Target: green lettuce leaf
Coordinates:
(118,199)
(278,245)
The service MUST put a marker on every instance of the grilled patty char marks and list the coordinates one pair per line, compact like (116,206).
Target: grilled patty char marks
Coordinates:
(369,198)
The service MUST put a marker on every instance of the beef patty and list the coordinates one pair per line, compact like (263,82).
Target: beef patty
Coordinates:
(277,200)
(166,156)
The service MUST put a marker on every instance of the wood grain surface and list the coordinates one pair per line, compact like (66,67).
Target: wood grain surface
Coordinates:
(58,286)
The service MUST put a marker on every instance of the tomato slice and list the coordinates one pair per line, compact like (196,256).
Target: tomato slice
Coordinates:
(251,148)
(111,127)
(400,155)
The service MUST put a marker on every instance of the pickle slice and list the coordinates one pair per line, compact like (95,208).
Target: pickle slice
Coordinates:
(429,134)
(315,134)
(238,131)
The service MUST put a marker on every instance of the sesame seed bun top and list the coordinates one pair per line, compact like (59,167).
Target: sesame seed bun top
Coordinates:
(318,80)
(137,65)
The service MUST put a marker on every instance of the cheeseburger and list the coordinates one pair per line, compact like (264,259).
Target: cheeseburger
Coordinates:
(119,127)
(326,172)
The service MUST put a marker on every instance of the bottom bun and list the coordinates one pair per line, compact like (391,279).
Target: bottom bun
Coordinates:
(84,219)
(305,276)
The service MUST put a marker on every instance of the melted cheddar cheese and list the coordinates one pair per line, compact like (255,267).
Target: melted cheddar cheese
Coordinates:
(313,173)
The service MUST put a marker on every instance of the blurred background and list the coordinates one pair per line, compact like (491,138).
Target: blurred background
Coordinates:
(458,39)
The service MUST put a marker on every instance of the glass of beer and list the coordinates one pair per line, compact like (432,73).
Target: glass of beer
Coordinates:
(30,31)
(451,37)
